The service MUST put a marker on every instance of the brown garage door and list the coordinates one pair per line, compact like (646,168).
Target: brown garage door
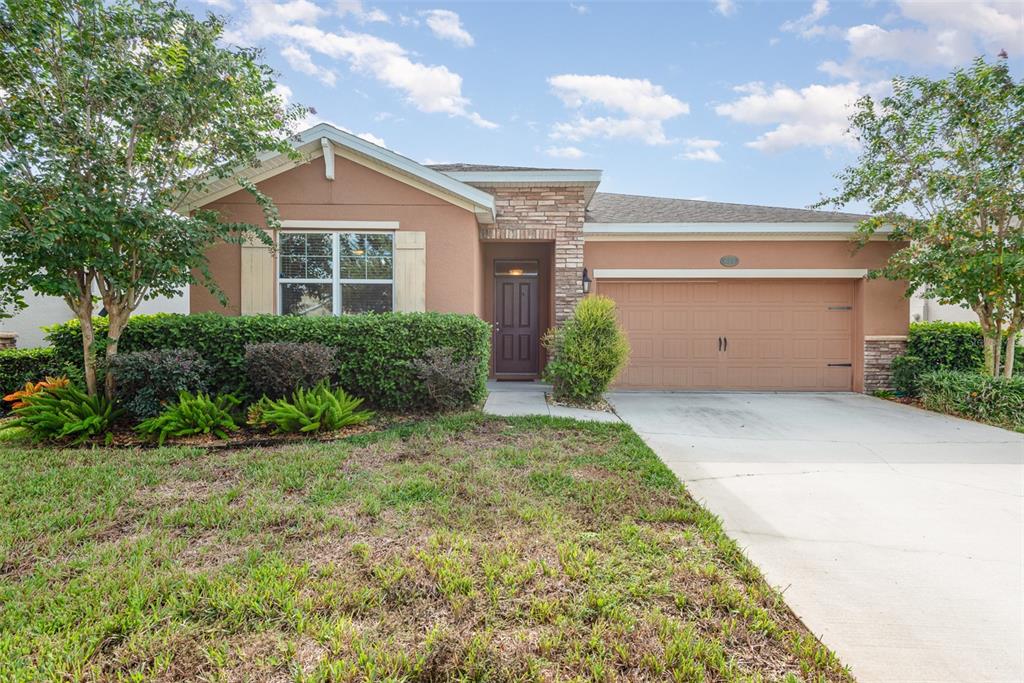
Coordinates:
(786,335)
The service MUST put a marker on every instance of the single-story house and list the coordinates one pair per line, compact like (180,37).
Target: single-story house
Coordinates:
(712,295)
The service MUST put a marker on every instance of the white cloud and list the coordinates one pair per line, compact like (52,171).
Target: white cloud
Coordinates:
(646,107)
(301,61)
(725,7)
(700,149)
(815,116)
(370,137)
(949,34)
(219,4)
(447,25)
(564,152)
(580,8)
(807,25)
(429,88)
(362,15)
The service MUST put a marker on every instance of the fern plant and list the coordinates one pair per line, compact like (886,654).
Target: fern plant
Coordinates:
(60,412)
(191,415)
(320,409)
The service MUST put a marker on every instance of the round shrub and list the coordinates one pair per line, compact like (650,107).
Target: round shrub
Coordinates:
(588,352)
(148,380)
(276,369)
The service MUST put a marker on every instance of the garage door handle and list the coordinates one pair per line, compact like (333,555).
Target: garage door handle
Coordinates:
(719,343)
(726,343)
(840,365)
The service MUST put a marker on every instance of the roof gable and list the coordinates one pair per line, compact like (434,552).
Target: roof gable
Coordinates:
(324,138)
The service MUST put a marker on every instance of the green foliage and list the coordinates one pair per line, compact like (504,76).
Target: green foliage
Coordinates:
(450,382)
(65,413)
(952,346)
(148,380)
(320,409)
(942,164)
(115,116)
(374,350)
(906,370)
(588,351)
(193,414)
(275,369)
(18,366)
(996,400)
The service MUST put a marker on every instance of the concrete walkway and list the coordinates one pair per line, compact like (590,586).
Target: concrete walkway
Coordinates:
(895,533)
(527,398)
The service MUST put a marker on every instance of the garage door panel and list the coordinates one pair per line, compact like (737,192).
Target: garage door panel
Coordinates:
(781,334)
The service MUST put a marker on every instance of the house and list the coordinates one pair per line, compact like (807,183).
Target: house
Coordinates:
(712,295)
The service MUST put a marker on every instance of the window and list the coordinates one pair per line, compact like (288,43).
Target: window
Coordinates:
(331,273)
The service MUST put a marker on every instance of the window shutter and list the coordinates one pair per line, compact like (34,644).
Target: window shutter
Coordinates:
(410,271)
(257,277)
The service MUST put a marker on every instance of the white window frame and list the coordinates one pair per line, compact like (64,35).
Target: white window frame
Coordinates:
(336,281)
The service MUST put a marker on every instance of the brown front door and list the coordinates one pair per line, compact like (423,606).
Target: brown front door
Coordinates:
(516,325)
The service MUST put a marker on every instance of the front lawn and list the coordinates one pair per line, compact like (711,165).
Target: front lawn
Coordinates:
(467,548)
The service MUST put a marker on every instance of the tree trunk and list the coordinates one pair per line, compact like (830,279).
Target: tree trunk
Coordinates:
(84,313)
(117,319)
(1011,347)
(991,344)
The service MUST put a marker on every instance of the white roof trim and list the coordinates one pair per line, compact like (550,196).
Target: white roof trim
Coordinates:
(541,177)
(718,273)
(721,228)
(328,158)
(321,132)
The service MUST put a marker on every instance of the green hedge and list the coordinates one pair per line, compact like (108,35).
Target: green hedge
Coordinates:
(952,346)
(996,400)
(18,366)
(374,350)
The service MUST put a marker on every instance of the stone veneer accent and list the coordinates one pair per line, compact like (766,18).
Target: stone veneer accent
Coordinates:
(8,340)
(878,355)
(549,213)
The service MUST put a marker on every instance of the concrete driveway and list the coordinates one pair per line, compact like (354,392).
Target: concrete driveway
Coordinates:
(895,533)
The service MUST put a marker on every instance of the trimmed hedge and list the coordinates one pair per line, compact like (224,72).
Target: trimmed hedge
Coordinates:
(996,400)
(375,350)
(18,366)
(952,346)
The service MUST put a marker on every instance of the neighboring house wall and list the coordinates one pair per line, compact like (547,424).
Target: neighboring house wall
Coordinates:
(925,310)
(454,269)
(43,311)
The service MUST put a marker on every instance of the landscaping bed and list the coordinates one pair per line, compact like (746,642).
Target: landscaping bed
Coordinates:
(463,548)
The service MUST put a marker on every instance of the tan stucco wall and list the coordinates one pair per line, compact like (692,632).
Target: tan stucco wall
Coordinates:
(454,259)
(885,309)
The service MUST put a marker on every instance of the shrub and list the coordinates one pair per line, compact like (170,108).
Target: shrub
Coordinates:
(18,366)
(149,380)
(63,413)
(906,370)
(941,345)
(320,409)
(374,350)
(275,369)
(193,414)
(997,400)
(19,399)
(588,351)
(449,381)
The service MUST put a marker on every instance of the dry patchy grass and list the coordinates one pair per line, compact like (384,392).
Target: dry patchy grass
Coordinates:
(463,549)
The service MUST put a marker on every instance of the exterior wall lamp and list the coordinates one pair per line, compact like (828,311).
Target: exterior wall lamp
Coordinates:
(586,282)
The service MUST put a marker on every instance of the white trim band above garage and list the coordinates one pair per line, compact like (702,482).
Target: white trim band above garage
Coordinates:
(341,225)
(721,228)
(713,273)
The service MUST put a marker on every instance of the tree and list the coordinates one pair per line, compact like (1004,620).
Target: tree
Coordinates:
(942,163)
(113,116)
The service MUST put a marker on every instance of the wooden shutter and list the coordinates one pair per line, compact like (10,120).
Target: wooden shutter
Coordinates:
(410,271)
(258,266)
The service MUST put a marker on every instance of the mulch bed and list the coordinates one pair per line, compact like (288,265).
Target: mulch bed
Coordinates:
(601,406)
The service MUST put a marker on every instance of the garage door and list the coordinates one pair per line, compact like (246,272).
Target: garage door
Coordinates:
(777,335)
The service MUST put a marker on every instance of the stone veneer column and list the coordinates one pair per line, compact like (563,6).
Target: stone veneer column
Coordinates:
(549,213)
(878,354)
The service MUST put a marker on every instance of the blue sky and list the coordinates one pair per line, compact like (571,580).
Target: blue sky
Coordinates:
(719,99)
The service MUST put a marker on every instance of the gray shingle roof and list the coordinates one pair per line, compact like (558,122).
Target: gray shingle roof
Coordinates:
(607,207)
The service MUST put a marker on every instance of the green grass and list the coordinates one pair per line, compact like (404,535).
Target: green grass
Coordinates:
(463,549)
